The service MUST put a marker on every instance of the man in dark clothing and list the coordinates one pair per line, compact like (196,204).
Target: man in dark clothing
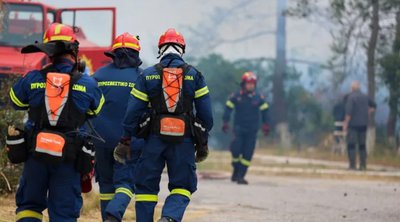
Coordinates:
(170,91)
(59,100)
(116,80)
(358,108)
(249,106)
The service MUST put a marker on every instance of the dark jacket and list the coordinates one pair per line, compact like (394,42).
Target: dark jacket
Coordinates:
(357,107)
(249,107)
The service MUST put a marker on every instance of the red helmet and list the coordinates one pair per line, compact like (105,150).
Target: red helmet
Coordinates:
(249,77)
(59,32)
(126,40)
(171,36)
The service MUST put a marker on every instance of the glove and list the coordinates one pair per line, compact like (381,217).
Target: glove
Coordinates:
(225,127)
(265,129)
(201,153)
(122,151)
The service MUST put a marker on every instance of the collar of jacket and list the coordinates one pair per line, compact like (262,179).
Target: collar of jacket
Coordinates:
(171,60)
(244,92)
(125,59)
(63,65)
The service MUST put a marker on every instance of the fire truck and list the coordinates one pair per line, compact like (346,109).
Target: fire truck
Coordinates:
(24,22)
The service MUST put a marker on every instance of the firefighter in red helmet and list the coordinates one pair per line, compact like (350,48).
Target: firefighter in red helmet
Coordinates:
(174,134)
(249,106)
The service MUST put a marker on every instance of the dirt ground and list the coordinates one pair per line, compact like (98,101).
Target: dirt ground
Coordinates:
(281,189)
(272,198)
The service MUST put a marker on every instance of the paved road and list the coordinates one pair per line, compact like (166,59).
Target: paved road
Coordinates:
(284,199)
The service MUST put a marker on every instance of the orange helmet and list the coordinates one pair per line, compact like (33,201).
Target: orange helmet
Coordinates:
(126,40)
(171,36)
(249,77)
(59,32)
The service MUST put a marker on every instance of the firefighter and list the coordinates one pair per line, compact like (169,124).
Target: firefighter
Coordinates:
(170,88)
(249,105)
(59,99)
(116,80)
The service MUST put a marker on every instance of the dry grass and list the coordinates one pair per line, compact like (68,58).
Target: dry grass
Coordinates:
(387,158)
(90,211)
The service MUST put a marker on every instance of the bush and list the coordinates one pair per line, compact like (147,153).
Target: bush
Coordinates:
(9,173)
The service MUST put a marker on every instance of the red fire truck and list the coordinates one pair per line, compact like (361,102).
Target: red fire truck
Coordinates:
(24,22)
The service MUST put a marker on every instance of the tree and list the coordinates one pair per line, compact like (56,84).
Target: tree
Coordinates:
(390,63)
(371,68)
(356,25)
(241,15)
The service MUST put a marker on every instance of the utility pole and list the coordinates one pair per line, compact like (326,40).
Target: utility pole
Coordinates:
(279,103)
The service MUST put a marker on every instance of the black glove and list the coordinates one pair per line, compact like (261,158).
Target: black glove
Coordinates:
(122,151)
(201,152)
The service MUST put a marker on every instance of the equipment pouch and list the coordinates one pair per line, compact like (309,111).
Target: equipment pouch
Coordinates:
(49,146)
(17,149)
(172,128)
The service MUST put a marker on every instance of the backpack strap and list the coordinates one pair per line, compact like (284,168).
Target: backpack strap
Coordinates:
(159,68)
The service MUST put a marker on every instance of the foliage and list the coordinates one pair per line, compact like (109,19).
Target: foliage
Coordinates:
(222,79)
(307,118)
(349,24)
(10,173)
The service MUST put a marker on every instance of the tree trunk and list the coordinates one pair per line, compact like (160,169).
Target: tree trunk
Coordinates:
(391,128)
(371,49)
(279,105)
(393,94)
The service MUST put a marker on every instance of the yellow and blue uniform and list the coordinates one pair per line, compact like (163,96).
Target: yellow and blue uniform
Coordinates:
(115,179)
(249,109)
(179,157)
(56,187)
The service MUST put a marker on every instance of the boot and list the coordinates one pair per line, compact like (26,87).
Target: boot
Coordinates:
(363,158)
(234,177)
(111,219)
(352,157)
(242,181)
(166,219)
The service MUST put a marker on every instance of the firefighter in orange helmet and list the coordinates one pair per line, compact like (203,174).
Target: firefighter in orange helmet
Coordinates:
(116,80)
(59,99)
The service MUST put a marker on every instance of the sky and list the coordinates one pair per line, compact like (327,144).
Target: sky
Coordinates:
(309,41)
(150,18)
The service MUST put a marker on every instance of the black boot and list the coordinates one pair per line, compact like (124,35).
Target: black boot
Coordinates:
(166,219)
(111,219)
(363,157)
(234,176)
(242,181)
(351,151)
